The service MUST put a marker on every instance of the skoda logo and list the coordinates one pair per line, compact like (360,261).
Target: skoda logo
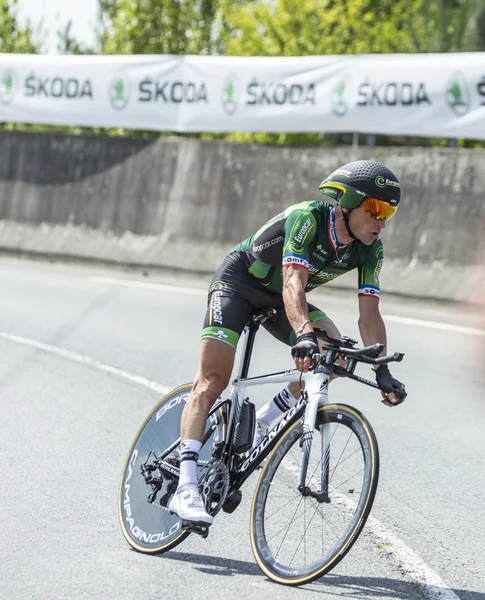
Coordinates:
(230,94)
(380,181)
(457,94)
(119,91)
(8,86)
(340,94)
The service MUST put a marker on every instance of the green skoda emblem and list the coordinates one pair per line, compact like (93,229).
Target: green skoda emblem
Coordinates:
(8,87)
(339,94)
(229,96)
(457,94)
(119,92)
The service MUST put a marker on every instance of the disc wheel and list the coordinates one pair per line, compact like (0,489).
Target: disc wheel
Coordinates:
(147,525)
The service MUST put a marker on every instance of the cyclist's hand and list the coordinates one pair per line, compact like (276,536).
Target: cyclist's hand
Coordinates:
(306,346)
(393,391)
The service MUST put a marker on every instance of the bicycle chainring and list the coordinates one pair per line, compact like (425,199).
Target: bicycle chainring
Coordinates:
(214,485)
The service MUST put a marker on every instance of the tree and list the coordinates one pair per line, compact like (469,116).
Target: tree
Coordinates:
(67,44)
(449,26)
(14,38)
(158,26)
(309,27)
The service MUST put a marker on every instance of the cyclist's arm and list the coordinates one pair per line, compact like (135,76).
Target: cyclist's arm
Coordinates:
(371,325)
(296,307)
(300,230)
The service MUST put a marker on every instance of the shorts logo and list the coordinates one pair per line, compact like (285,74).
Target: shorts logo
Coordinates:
(218,285)
(217,306)
(220,334)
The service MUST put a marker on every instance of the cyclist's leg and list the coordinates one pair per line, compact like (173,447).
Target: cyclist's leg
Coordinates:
(227,313)
(215,367)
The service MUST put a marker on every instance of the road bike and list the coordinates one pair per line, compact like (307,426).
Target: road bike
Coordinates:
(319,475)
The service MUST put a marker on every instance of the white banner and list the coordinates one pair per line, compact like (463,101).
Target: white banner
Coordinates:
(409,94)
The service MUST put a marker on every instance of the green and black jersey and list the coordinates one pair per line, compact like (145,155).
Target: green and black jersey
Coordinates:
(304,235)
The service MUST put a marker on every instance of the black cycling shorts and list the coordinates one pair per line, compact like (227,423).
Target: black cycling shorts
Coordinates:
(234,295)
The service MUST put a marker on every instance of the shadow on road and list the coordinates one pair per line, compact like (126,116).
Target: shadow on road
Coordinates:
(362,588)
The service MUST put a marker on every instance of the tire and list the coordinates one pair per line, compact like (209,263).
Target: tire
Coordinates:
(149,527)
(281,515)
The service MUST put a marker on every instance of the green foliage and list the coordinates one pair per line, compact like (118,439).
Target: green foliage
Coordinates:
(309,27)
(14,38)
(448,26)
(158,26)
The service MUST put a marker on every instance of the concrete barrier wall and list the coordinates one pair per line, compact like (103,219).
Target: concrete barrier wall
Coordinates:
(184,203)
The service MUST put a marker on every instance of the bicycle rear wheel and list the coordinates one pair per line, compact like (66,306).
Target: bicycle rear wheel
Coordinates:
(297,538)
(147,524)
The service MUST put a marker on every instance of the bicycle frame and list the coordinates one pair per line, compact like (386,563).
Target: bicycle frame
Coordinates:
(315,395)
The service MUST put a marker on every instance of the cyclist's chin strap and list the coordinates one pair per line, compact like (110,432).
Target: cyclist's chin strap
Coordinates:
(345,216)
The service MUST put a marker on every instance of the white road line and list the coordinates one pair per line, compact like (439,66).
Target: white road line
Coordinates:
(86,360)
(430,582)
(198,292)
(434,325)
(160,287)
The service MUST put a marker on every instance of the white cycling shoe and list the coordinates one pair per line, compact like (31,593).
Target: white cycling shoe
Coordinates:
(188,505)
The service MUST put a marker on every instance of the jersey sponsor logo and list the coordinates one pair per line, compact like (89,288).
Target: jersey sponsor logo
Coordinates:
(295,260)
(268,244)
(369,290)
(378,270)
(296,247)
(301,234)
(320,256)
(320,253)
(323,274)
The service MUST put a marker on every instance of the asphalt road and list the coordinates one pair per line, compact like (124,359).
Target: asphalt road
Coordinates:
(67,422)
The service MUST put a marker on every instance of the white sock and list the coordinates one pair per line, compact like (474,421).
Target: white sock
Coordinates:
(189,454)
(274,408)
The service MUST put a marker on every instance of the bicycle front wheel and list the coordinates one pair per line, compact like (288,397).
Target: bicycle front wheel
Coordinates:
(299,535)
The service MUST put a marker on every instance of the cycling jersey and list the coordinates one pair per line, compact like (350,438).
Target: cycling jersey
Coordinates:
(304,235)
(251,276)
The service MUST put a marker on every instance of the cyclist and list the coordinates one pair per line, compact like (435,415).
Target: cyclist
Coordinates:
(307,245)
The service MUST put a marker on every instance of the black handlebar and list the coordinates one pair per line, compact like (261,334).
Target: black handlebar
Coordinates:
(369,355)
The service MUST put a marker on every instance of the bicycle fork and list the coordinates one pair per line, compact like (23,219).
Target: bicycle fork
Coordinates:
(316,385)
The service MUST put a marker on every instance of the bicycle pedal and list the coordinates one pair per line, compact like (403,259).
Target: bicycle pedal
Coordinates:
(201,529)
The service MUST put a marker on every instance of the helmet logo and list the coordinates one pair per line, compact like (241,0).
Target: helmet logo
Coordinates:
(381,181)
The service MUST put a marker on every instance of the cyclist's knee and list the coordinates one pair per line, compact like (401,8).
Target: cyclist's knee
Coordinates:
(296,388)
(208,387)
